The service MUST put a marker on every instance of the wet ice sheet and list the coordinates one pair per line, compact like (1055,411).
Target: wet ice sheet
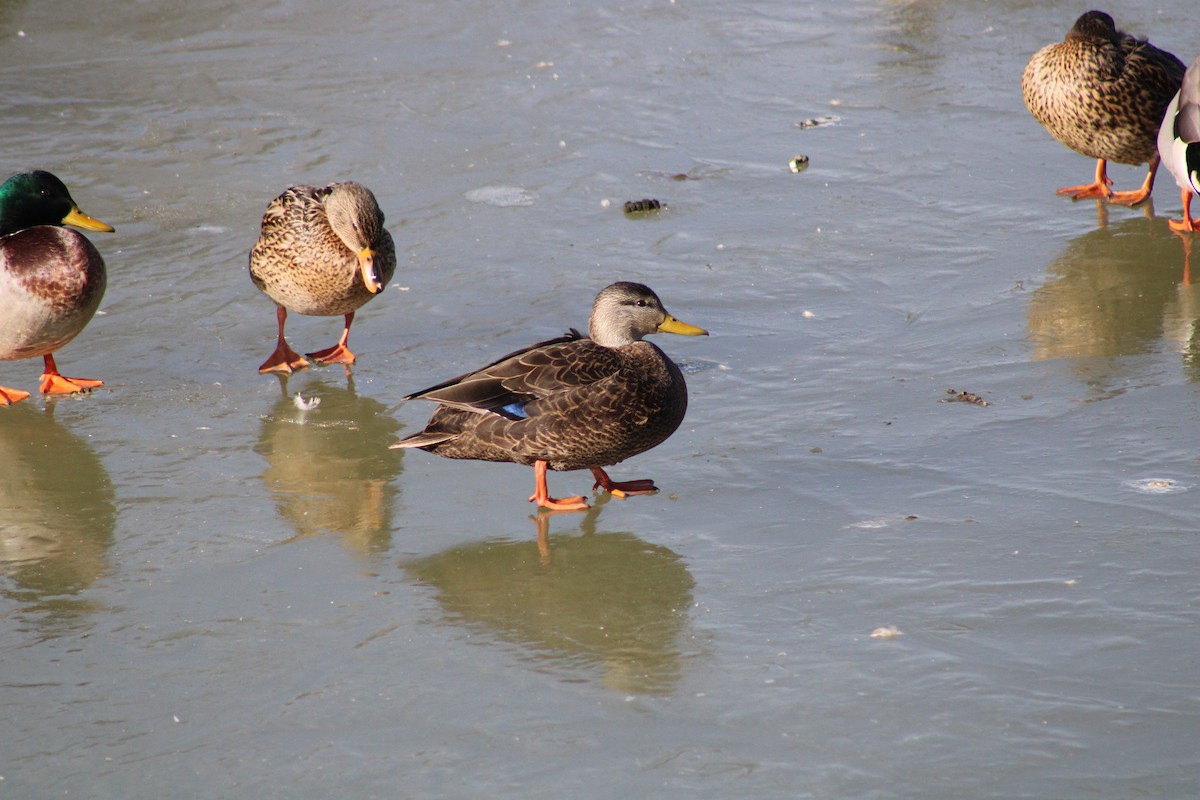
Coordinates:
(248,598)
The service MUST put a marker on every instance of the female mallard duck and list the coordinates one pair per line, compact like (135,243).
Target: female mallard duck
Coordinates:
(51,278)
(569,403)
(1102,93)
(1179,143)
(323,252)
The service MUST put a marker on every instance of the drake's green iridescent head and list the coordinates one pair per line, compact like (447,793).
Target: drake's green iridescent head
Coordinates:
(39,198)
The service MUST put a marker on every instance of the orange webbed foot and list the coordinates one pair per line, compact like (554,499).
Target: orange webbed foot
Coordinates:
(1098,188)
(1187,224)
(10,396)
(1088,191)
(541,493)
(53,383)
(1139,195)
(577,503)
(622,488)
(338,354)
(1129,198)
(284,360)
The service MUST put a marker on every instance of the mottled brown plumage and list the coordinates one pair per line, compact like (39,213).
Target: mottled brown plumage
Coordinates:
(323,252)
(1102,93)
(569,403)
(51,278)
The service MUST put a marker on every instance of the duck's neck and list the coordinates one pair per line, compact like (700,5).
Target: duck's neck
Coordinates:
(611,335)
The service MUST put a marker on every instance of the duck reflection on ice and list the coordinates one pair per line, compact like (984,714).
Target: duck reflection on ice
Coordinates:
(326,469)
(1182,318)
(604,604)
(1114,291)
(57,515)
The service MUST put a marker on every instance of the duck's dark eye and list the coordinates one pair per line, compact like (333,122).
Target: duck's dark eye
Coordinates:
(641,303)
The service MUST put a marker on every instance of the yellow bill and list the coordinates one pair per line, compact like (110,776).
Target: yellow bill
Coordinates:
(81,220)
(366,265)
(672,325)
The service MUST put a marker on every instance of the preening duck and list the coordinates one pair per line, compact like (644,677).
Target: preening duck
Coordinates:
(323,251)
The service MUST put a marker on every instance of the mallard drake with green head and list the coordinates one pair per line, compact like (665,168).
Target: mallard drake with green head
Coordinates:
(323,252)
(1179,144)
(51,277)
(1102,93)
(569,403)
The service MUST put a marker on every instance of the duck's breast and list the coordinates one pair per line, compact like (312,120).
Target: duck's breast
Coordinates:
(51,282)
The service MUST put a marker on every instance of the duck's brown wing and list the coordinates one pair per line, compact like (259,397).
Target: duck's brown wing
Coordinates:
(296,208)
(288,224)
(507,384)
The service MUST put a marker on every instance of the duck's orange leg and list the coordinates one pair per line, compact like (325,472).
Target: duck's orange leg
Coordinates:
(284,359)
(54,383)
(1187,224)
(339,353)
(9,396)
(1098,188)
(1140,195)
(622,488)
(541,494)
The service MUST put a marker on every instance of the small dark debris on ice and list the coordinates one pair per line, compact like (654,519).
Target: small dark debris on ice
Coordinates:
(966,397)
(642,206)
